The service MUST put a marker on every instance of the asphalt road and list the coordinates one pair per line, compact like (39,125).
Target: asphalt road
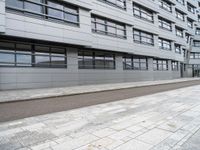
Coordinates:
(22,109)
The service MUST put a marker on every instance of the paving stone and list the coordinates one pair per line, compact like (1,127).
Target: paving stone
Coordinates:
(134,144)
(154,136)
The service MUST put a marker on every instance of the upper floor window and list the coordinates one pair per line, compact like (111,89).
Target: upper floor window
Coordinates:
(164,44)
(177,48)
(175,66)
(117,3)
(143,37)
(96,60)
(108,27)
(46,9)
(180,15)
(165,24)
(194,55)
(165,5)
(179,32)
(191,8)
(197,31)
(181,2)
(159,64)
(131,62)
(196,43)
(142,12)
(190,23)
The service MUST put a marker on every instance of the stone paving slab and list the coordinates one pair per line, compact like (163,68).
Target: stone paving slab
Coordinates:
(17,95)
(163,121)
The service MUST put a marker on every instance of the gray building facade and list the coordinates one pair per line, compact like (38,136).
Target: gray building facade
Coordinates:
(52,43)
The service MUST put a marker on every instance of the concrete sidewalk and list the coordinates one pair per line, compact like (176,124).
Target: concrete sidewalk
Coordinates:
(17,95)
(163,121)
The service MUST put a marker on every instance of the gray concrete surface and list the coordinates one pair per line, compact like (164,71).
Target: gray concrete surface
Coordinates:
(18,95)
(22,109)
(163,121)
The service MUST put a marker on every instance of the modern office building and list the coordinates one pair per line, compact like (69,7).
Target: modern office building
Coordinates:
(53,43)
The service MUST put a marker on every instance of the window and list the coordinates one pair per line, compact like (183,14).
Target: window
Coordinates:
(197,31)
(191,8)
(179,32)
(180,15)
(32,55)
(190,23)
(142,12)
(181,2)
(194,55)
(46,9)
(117,3)
(165,24)
(159,64)
(131,62)
(175,66)
(164,44)
(165,5)
(108,27)
(196,43)
(178,48)
(143,37)
(95,60)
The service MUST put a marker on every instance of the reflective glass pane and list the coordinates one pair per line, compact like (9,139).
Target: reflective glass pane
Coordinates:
(14,3)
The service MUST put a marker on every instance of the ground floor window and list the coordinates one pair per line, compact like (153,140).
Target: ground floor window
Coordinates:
(160,64)
(131,62)
(19,54)
(175,65)
(95,60)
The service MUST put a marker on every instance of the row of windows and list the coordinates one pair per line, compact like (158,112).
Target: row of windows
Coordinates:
(117,3)
(194,55)
(46,9)
(95,60)
(196,43)
(17,54)
(143,37)
(135,63)
(160,64)
(108,27)
(29,55)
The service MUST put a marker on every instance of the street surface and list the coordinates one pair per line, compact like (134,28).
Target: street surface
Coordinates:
(163,121)
(22,109)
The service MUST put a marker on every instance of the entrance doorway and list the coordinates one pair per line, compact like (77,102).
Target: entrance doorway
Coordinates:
(196,72)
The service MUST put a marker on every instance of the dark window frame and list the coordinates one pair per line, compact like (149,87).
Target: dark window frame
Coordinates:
(44,14)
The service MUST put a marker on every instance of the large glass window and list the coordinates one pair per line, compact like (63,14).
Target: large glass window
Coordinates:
(159,64)
(142,12)
(191,8)
(197,31)
(143,37)
(196,43)
(165,24)
(46,9)
(95,60)
(165,5)
(108,27)
(190,23)
(194,55)
(117,3)
(180,15)
(131,62)
(31,55)
(177,48)
(179,32)
(164,44)
(181,2)
(175,65)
